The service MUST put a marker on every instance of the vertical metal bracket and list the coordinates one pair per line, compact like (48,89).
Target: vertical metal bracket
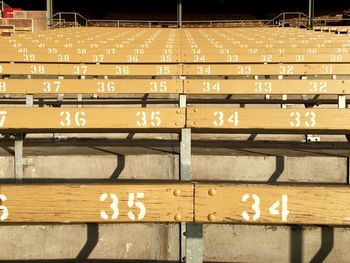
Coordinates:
(29,100)
(309,138)
(19,158)
(191,241)
(80,99)
(19,161)
(341,101)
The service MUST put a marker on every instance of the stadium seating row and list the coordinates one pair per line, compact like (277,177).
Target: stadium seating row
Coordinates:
(173,70)
(175,202)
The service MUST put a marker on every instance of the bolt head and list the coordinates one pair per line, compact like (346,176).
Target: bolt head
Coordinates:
(211,217)
(212,192)
(177,217)
(177,192)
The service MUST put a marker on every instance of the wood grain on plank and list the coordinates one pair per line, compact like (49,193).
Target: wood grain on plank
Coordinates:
(84,203)
(281,120)
(84,86)
(89,69)
(266,69)
(230,203)
(208,86)
(91,118)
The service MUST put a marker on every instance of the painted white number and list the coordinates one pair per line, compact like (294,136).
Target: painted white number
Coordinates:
(63,58)
(286,70)
(232,58)
(337,58)
(106,86)
(203,70)
(161,86)
(2,86)
(295,119)
(220,119)
(51,86)
(209,87)
(327,69)
(98,58)
(3,209)
(28,57)
(198,58)
(163,70)
(142,120)
(79,119)
(244,70)
(114,206)
(37,69)
(132,58)
(263,86)
(266,58)
(120,70)
(309,119)
(138,204)
(299,58)
(318,86)
(81,51)
(255,207)
(273,210)
(3,115)
(165,58)
(80,70)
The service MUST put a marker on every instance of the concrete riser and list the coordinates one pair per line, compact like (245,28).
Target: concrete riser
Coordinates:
(222,243)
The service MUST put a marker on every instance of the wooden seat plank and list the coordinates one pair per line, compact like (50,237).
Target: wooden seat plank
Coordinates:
(209,86)
(96,203)
(267,69)
(91,86)
(51,119)
(268,204)
(90,69)
(265,120)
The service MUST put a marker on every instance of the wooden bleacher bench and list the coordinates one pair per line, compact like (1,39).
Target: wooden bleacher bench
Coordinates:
(157,61)
(90,69)
(103,203)
(17,119)
(7,30)
(172,203)
(90,86)
(271,204)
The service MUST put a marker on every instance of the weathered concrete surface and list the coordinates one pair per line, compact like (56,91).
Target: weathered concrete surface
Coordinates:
(240,243)
(165,167)
(222,243)
(263,169)
(122,241)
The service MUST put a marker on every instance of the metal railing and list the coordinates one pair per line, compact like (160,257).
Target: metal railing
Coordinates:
(299,19)
(293,19)
(331,21)
(4,5)
(121,23)
(74,19)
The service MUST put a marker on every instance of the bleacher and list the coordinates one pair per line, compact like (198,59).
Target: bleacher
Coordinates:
(189,83)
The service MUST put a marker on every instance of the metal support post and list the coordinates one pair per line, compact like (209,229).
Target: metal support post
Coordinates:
(179,13)
(311,14)
(49,8)
(19,158)
(191,248)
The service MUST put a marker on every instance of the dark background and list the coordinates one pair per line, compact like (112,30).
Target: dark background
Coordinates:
(192,9)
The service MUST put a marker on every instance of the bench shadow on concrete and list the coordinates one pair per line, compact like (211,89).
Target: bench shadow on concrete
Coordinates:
(296,238)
